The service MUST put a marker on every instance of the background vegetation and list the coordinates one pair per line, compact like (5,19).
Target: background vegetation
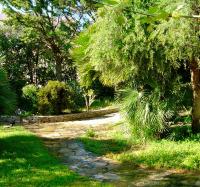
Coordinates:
(66,56)
(143,46)
(35,42)
(7,97)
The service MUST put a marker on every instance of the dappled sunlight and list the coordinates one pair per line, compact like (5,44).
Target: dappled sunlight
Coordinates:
(146,165)
(25,162)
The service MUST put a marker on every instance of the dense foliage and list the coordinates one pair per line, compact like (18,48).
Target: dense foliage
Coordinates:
(7,96)
(39,35)
(30,94)
(54,98)
(147,46)
(122,46)
(146,114)
(36,39)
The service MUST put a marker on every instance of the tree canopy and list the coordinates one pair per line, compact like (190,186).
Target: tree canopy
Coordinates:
(48,27)
(122,39)
(143,44)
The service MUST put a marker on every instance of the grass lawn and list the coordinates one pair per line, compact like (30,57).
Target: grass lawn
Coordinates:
(175,153)
(165,154)
(24,161)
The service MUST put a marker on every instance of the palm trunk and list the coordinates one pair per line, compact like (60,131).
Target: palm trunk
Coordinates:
(195,80)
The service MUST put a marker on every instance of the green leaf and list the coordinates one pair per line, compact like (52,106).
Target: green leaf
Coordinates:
(120,19)
(153,10)
(150,28)
(144,20)
(163,15)
(176,14)
(110,2)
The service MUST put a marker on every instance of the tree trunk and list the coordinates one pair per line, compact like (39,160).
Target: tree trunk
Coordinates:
(29,59)
(87,103)
(195,80)
(36,65)
(59,60)
(59,68)
(31,74)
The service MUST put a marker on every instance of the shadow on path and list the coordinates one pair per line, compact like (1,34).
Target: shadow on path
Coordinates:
(63,140)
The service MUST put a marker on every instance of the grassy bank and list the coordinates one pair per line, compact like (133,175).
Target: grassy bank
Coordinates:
(180,150)
(24,161)
(165,154)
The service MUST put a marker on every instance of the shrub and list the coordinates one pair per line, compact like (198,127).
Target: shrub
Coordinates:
(54,98)
(7,96)
(30,94)
(146,114)
(78,98)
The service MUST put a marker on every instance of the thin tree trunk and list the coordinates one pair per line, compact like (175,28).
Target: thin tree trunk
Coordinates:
(36,65)
(30,67)
(59,61)
(87,103)
(30,64)
(195,80)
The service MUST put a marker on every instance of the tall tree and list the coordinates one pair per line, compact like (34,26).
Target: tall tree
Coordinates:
(54,22)
(17,57)
(24,57)
(144,43)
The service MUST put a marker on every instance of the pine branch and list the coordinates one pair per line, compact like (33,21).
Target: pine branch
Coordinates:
(169,16)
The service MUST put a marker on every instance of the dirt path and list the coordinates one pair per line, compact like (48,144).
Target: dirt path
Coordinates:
(60,139)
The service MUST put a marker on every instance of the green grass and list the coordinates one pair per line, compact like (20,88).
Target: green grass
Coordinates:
(90,133)
(166,154)
(180,150)
(24,161)
(103,147)
(99,104)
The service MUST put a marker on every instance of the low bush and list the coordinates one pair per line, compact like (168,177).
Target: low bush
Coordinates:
(30,94)
(54,98)
(145,114)
(17,85)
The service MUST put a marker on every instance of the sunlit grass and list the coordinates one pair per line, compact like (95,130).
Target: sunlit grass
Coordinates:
(24,161)
(165,154)
(179,150)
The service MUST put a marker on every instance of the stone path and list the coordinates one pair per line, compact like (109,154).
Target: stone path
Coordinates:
(60,139)
(86,163)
